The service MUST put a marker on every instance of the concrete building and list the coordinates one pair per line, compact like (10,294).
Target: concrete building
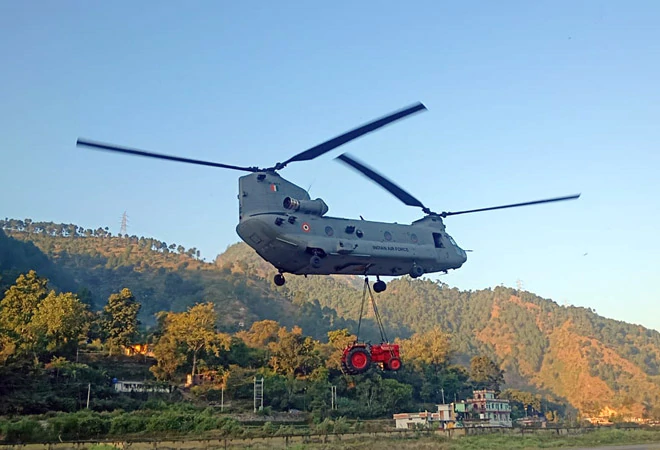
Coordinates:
(483,410)
(447,415)
(409,421)
(443,418)
(485,406)
(137,386)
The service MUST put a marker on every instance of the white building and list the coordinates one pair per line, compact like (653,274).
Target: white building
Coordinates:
(137,386)
(446,415)
(441,419)
(408,421)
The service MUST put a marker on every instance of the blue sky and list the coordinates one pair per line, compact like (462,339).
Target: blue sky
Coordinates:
(526,100)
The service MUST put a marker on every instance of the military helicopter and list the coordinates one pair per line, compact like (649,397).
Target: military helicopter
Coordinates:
(281,222)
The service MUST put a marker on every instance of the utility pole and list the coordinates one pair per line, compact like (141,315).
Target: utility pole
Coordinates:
(222,399)
(333,397)
(89,390)
(443,395)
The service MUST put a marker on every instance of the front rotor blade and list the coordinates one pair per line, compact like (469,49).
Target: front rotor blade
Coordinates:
(396,190)
(353,134)
(515,205)
(132,151)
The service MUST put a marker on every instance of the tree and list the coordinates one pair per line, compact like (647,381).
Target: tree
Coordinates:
(20,302)
(395,395)
(260,334)
(16,311)
(432,348)
(60,319)
(485,373)
(522,402)
(338,340)
(120,322)
(187,334)
(169,357)
(195,329)
(294,354)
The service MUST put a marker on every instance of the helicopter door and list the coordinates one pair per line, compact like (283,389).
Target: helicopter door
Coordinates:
(437,240)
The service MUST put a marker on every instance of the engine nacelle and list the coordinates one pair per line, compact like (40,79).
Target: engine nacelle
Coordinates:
(316,207)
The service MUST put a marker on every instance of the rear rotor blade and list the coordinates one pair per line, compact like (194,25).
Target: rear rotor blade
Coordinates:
(514,205)
(393,188)
(353,134)
(132,151)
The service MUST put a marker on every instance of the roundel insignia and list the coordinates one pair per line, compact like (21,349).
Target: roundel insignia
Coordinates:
(305,227)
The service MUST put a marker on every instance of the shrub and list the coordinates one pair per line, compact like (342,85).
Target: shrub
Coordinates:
(128,423)
(93,425)
(341,425)
(168,421)
(230,427)
(269,429)
(65,426)
(324,427)
(24,430)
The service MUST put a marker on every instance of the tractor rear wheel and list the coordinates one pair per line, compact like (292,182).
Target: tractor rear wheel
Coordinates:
(358,360)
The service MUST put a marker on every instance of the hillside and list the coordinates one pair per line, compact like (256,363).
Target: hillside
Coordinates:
(571,352)
(162,277)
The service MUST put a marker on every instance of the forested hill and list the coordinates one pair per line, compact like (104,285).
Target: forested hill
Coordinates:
(572,352)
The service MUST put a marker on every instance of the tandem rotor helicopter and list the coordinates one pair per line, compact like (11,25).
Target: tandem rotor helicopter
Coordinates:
(280,221)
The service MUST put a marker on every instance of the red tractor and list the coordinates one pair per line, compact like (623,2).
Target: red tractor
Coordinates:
(358,356)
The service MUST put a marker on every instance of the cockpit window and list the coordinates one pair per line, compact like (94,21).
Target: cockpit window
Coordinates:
(437,239)
(451,239)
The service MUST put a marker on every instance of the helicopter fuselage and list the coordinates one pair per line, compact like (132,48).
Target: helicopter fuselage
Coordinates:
(288,229)
(291,231)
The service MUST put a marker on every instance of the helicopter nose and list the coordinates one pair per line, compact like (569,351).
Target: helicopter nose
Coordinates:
(461,254)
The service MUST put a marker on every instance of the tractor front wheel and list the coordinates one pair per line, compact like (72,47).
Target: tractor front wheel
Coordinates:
(394,364)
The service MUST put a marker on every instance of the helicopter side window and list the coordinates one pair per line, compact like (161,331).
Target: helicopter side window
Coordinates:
(437,239)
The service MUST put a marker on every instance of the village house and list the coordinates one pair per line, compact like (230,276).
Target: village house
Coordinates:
(411,421)
(125,386)
(485,406)
(482,410)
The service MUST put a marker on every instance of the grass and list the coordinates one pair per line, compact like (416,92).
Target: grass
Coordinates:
(538,441)
(421,441)
(488,441)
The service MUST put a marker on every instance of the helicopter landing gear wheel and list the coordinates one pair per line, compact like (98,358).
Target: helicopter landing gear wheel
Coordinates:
(416,271)
(315,261)
(379,286)
(279,280)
